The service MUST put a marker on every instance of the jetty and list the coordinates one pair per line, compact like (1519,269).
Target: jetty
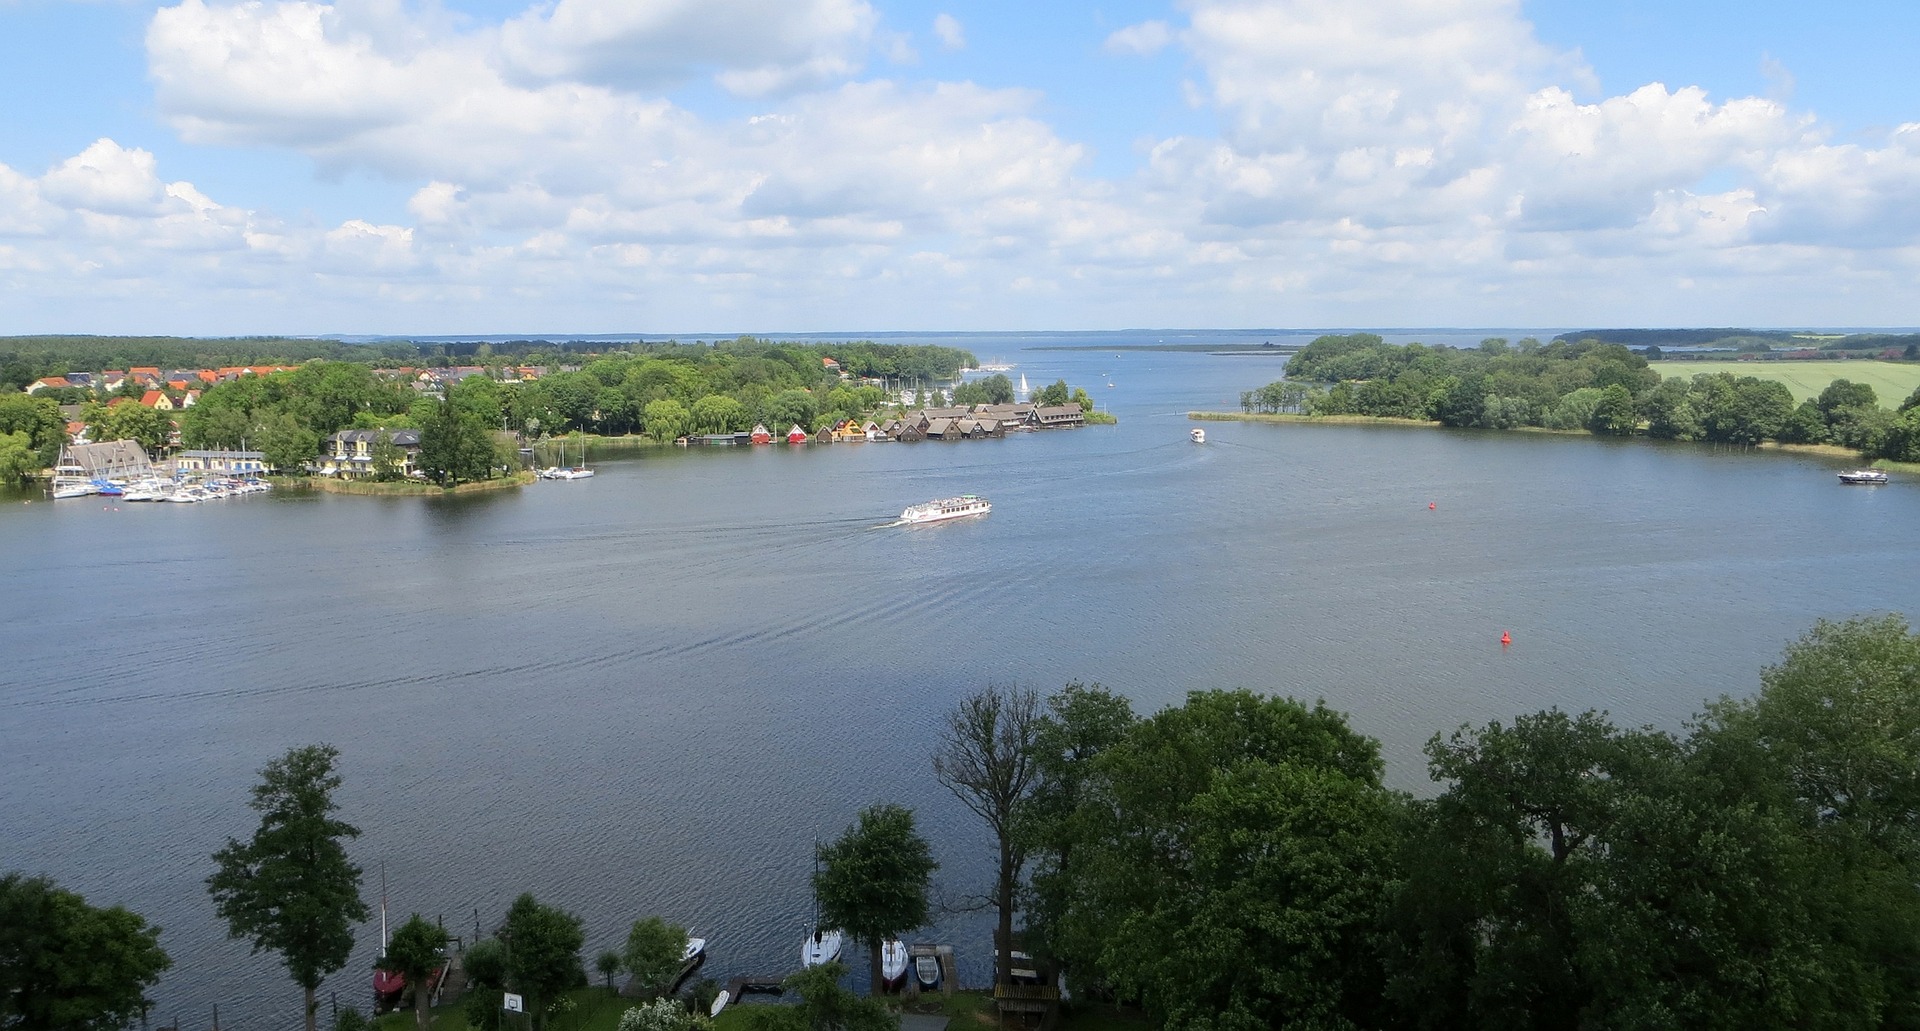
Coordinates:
(949,970)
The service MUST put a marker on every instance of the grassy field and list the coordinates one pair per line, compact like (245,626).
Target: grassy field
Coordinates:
(1892,382)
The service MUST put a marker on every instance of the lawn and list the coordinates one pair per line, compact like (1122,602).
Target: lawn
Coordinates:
(1892,382)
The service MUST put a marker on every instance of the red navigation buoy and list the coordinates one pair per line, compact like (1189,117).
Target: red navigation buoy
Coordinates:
(1505,638)
(1430,506)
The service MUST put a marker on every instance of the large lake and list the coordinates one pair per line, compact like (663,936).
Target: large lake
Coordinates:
(653,691)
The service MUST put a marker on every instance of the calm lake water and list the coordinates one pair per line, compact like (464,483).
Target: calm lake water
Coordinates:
(652,691)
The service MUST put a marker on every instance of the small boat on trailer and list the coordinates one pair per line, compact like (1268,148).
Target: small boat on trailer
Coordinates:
(1864,477)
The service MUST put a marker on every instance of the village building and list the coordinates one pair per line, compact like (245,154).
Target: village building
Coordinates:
(1059,415)
(123,460)
(348,454)
(157,401)
(221,463)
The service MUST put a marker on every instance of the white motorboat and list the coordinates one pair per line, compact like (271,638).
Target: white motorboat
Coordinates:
(1864,477)
(947,508)
(823,946)
(893,962)
(1197,435)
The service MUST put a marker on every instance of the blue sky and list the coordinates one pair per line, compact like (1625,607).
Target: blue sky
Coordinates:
(388,166)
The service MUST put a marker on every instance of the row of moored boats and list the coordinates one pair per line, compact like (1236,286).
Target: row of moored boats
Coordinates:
(155,489)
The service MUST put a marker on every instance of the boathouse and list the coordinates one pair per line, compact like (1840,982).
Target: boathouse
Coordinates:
(109,460)
(1060,415)
(760,434)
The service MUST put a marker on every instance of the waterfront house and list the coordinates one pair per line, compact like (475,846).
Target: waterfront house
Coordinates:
(760,434)
(348,454)
(1011,416)
(873,431)
(902,429)
(796,435)
(1059,415)
(849,431)
(943,429)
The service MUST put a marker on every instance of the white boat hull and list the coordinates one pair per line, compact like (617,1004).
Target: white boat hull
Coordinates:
(822,947)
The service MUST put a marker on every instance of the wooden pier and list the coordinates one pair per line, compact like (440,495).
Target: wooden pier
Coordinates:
(949,970)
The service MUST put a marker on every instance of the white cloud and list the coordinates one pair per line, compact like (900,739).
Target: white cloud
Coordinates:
(1403,160)
(948,28)
(1143,40)
(757,46)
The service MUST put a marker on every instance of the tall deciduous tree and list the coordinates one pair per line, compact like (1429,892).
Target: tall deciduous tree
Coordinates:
(1228,866)
(291,889)
(655,949)
(989,759)
(543,944)
(69,966)
(417,950)
(872,882)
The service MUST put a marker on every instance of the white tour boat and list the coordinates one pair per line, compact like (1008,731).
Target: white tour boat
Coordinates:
(947,508)
(1868,477)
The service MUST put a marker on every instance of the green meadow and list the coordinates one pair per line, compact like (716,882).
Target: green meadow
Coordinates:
(1892,382)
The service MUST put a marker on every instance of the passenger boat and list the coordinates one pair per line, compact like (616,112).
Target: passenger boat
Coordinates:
(1198,435)
(1864,477)
(947,508)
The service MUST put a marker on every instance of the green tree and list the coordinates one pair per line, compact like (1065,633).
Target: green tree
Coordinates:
(653,955)
(388,457)
(666,420)
(287,445)
(134,421)
(1614,415)
(543,945)
(989,760)
(40,419)
(1230,860)
(1082,722)
(417,950)
(18,461)
(872,882)
(69,966)
(456,445)
(607,964)
(717,413)
(291,889)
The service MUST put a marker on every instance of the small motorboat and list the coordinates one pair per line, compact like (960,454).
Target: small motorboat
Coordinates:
(926,970)
(1197,435)
(893,962)
(696,947)
(1864,477)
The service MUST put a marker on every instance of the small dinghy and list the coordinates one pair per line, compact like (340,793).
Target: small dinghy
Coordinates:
(926,969)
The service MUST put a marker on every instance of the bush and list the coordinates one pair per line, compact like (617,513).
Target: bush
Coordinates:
(659,1015)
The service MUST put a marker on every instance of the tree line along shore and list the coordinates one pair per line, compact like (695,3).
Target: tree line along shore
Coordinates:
(1236,861)
(1586,386)
(473,418)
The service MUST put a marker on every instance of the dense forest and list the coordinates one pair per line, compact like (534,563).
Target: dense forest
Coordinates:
(1604,388)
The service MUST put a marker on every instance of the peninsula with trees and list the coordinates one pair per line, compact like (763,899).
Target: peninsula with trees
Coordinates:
(1585,385)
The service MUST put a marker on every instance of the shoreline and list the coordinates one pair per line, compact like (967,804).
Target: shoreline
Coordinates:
(1815,450)
(399,489)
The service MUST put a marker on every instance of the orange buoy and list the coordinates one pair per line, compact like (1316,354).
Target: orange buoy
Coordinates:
(1505,638)
(1430,506)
